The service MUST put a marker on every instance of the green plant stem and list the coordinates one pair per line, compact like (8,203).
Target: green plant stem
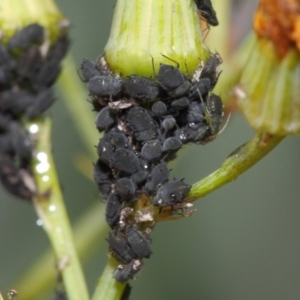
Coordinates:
(51,210)
(74,94)
(88,231)
(236,164)
(107,287)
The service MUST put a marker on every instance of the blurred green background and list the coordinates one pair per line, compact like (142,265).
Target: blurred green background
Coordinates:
(242,243)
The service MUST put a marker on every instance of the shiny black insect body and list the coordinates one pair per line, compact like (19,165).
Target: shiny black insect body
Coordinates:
(139,244)
(20,142)
(89,70)
(158,176)
(14,179)
(171,193)
(126,272)
(171,144)
(47,74)
(159,109)
(117,139)
(125,162)
(151,150)
(105,86)
(168,123)
(112,210)
(211,68)
(200,89)
(126,189)
(30,34)
(172,80)
(14,103)
(59,49)
(195,113)
(41,103)
(103,177)
(141,124)
(193,133)
(141,88)
(105,119)
(28,65)
(140,176)
(105,151)
(180,104)
(119,247)
(207,12)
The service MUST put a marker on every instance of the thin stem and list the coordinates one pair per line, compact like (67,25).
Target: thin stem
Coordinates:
(107,287)
(51,210)
(74,94)
(236,164)
(88,232)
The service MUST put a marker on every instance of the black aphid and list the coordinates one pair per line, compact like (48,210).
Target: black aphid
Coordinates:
(180,104)
(168,123)
(207,12)
(20,141)
(126,272)
(14,103)
(113,209)
(151,150)
(105,151)
(117,139)
(211,68)
(47,74)
(41,103)
(126,189)
(139,244)
(105,118)
(140,176)
(171,193)
(159,109)
(158,176)
(171,144)
(28,66)
(119,247)
(195,133)
(88,70)
(141,88)
(103,177)
(200,89)
(172,80)
(59,49)
(195,113)
(30,34)
(14,179)
(125,162)
(105,86)
(141,124)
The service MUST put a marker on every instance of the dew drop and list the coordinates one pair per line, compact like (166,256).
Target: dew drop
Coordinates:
(45,178)
(52,208)
(39,222)
(33,128)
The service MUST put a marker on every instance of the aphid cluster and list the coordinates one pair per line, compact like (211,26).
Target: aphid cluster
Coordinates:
(145,122)
(29,66)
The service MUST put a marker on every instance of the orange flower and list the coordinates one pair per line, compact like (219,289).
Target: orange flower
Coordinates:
(279,22)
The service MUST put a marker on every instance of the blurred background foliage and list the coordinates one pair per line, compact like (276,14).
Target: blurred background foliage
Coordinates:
(242,243)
